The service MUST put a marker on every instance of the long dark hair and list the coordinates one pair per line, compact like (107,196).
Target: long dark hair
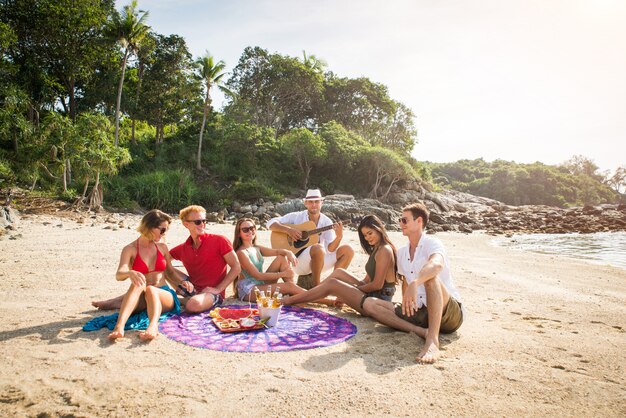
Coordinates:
(237,242)
(374,222)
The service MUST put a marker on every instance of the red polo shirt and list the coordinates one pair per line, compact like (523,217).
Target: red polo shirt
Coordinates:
(205,265)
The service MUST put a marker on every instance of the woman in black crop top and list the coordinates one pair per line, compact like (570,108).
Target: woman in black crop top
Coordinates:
(380,269)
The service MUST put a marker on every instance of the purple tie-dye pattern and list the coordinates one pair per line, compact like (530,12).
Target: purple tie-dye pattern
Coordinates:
(297,329)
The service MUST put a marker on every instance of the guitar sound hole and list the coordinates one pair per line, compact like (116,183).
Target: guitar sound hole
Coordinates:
(300,243)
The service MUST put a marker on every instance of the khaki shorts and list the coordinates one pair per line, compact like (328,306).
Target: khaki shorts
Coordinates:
(451,319)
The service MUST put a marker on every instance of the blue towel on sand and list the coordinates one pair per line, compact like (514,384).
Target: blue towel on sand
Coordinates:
(135,321)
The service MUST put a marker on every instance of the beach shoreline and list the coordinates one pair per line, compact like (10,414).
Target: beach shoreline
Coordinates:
(544,335)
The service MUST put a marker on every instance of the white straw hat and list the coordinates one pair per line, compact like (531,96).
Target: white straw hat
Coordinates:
(313,194)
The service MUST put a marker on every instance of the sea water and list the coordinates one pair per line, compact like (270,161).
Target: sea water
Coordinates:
(601,247)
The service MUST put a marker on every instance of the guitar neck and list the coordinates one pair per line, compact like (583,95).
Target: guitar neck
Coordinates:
(322,229)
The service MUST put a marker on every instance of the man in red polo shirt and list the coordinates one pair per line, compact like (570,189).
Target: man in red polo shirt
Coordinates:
(205,257)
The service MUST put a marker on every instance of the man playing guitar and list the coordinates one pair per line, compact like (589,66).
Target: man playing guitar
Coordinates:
(325,255)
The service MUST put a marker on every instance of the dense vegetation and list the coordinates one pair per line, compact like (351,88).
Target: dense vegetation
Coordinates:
(97,107)
(574,183)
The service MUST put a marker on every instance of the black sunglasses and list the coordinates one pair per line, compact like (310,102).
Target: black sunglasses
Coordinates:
(403,220)
(162,230)
(199,221)
(247,229)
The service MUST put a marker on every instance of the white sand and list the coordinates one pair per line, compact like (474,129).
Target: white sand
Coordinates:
(544,336)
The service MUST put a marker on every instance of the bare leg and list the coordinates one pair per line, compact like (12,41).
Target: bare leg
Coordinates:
(281,263)
(317,262)
(200,302)
(437,297)
(157,301)
(130,303)
(344,256)
(344,276)
(109,304)
(331,286)
(286,289)
(384,312)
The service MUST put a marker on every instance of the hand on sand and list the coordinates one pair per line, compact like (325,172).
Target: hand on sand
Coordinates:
(115,335)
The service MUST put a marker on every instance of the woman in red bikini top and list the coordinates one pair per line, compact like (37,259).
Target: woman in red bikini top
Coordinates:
(144,262)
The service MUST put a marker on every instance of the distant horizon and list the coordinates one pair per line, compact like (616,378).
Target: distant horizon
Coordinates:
(517,81)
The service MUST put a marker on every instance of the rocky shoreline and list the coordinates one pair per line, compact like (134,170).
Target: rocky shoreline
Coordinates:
(450,211)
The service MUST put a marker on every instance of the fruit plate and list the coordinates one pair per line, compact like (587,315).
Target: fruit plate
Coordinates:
(236,320)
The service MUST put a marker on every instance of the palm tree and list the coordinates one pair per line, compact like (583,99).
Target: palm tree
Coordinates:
(314,63)
(211,74)
(129,29)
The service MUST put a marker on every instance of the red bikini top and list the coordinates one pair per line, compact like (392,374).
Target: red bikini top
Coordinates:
(139,265)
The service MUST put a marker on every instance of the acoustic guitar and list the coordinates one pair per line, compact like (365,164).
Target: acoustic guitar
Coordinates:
(310,236)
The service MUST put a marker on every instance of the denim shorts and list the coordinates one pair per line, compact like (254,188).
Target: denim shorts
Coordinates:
(245,286)
(386,293)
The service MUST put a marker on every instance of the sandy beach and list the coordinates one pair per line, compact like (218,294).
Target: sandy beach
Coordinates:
(544,335)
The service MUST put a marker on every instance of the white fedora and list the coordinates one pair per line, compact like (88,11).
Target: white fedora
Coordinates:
(313,194)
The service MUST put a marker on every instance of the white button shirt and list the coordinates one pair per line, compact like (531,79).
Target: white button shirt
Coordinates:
(410,269)
(326,237)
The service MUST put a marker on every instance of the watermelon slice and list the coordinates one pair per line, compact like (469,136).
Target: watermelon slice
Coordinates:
(236,314)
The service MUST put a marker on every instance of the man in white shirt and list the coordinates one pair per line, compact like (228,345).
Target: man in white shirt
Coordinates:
(327,253)
(430,302)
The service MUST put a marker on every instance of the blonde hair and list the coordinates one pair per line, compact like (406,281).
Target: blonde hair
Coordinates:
(152,219)
(186,211)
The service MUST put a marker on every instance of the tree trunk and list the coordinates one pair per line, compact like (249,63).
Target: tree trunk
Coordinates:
(140,76)
(307,173)
(394,181)
(70,90)
(119,98)
(86,187)
(207,105)
(69,171)
(64,177)
(95,197)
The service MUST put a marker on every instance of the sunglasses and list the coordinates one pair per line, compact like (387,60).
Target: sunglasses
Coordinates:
(198,221)
(247,229)
(162,230)
(403,220)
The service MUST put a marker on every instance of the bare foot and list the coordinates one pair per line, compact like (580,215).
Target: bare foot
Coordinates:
(430,353)
(148,335)
(104,305)
(116,334)
(338,303)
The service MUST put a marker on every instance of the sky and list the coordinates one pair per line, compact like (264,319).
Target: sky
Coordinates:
(521,80)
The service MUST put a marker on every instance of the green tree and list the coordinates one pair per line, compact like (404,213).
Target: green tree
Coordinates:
(58,45)
(275,91)
(365,107)
(618,180)
(129,29)
(384,169)
(97,154)
(170,92)
(306,148)
(211,74)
